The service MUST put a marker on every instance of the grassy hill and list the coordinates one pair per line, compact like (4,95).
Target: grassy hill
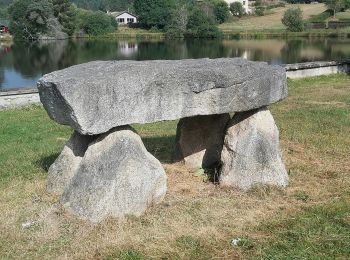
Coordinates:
(270,21)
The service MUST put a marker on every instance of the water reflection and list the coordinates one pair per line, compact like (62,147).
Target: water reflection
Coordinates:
(21,64)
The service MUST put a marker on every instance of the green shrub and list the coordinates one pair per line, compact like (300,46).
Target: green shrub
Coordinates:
(221,11)
(97,23)
(201,26)
(237,9)
(154,13)
(293,20)
(259,8)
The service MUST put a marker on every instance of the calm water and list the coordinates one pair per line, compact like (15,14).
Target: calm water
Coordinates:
(21,65)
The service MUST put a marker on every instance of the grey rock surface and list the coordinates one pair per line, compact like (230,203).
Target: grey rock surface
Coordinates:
(65,166)
(251,154)
(98,96)
(199,140)
(116,177)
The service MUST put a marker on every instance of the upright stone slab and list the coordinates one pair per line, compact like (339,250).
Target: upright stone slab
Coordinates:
(65,166)
(116,177)
(98,96)
(199,140)
(251,154)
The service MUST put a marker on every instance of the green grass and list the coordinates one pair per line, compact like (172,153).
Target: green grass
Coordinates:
(29,143)
(322,17)
(343,15)
(318,232)
(308,220)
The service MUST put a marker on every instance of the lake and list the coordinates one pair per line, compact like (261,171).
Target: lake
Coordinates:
(22,64)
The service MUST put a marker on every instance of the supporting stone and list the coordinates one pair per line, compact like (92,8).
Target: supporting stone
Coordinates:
(199,140)
(63,169)
(116,177)
(251,153)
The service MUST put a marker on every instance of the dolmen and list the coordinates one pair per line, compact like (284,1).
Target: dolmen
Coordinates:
(105,170)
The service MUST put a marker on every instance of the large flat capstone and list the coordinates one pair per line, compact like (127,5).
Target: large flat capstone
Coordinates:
(98,96)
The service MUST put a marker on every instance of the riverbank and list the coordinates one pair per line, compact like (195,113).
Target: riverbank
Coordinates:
(282,33)
(197,220)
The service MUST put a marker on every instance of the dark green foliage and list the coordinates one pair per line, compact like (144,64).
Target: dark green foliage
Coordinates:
(117,5)
(154,13)
(336,5)
(346,4)
(201,26)
(193,20)
(65,12)
(178,22)
(293,20)
(237,9)
(259,8)
(221,11)
(97,23)
(88,4)
(5,3)
(104,5)
(3,14)
(29,18)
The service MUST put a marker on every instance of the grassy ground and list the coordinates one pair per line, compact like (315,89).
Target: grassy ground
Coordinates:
(132,33)
(271,21)
(308,220)
(343,15)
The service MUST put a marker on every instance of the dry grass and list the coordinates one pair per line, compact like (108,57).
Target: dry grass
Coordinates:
(198,219)
(273,20)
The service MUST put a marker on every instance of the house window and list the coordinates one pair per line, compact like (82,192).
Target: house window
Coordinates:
(243,2)
(130,20)
(121,20)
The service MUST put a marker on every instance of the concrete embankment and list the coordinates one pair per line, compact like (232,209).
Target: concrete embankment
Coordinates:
(19,98)
(311,69)
(26,97)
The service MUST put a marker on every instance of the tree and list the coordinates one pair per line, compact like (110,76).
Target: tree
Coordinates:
(346,4)
(335,5)
(117,5)
(259,8)
(201,26)
(96,23)
(65,12)
(178,22)
(29,18)
(154,13)
(237,9)
(293,19)
(221,11)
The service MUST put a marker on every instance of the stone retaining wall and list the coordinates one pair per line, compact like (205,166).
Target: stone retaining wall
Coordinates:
(311,69)
(19,98)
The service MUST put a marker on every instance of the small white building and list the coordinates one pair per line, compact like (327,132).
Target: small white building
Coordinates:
(245,4)
(124,17)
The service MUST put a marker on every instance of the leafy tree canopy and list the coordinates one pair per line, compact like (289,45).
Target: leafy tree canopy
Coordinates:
(293,19)
(28,18)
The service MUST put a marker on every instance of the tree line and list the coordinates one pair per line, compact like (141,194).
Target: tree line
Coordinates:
(183,18)
(35,19)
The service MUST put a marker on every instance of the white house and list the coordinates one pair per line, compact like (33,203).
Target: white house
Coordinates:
(124,17)
(245,4)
